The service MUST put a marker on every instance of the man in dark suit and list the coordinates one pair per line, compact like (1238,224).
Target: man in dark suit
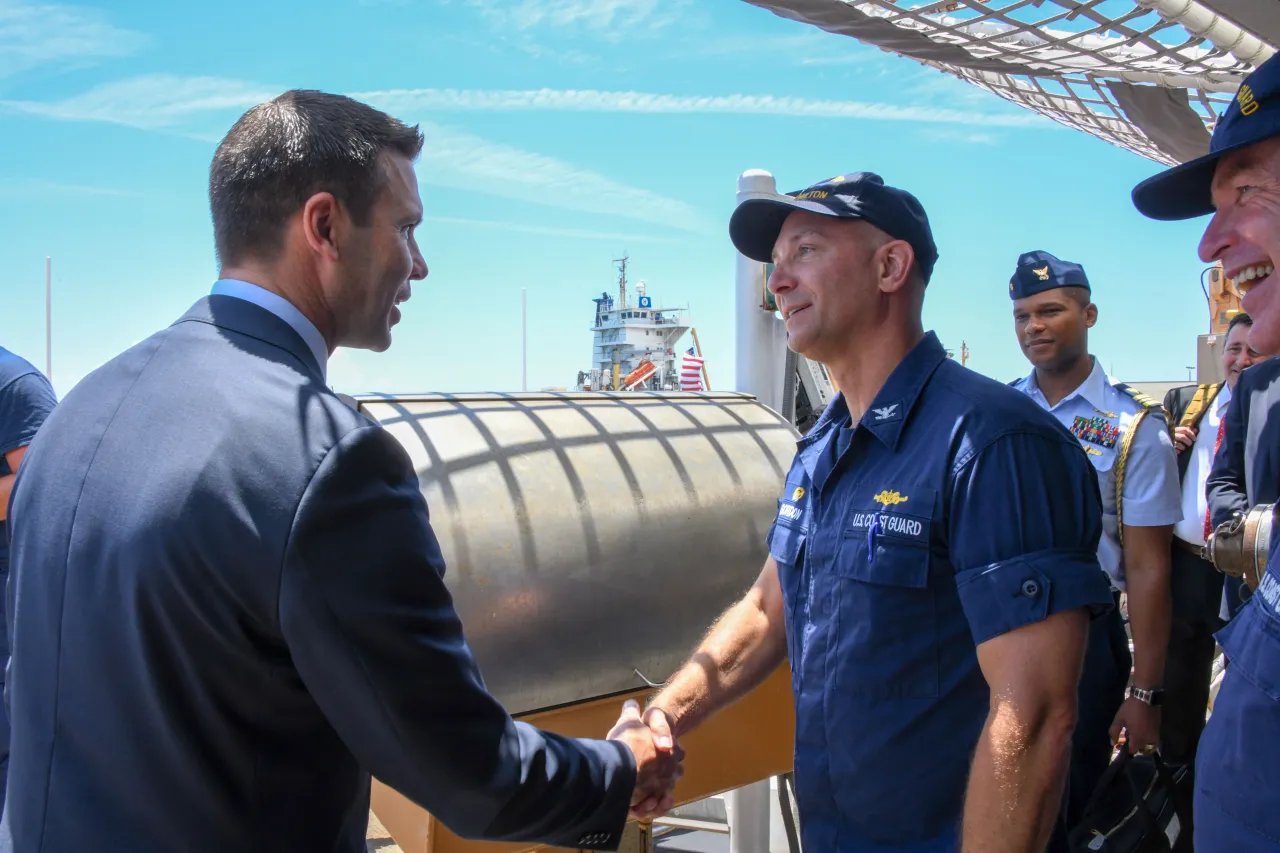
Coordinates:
(227,601)
(1246,468)
(1197,413)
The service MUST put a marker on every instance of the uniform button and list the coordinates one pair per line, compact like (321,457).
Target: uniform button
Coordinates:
(1030,588)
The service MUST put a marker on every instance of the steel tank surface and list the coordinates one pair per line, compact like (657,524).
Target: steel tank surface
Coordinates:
(591,539)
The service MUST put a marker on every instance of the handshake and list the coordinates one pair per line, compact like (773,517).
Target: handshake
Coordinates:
(658,758)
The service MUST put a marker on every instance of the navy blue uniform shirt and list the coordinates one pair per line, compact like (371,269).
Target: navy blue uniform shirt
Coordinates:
(26,399)
(954,511)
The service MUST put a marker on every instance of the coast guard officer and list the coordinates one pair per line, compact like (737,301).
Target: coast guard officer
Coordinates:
(1238,181)
(931,566)
(1125,435)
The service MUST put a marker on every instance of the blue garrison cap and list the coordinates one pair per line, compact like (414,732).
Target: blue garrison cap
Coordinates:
(1040,271)
(1253,116)
(757,221)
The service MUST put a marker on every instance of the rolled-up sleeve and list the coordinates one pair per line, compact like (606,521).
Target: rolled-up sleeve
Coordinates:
(1025,518)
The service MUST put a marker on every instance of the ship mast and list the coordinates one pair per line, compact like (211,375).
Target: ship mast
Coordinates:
(622,280)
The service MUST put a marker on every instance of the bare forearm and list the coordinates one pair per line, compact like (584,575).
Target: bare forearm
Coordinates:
(1150,613)
(741,650)
(6,488)
(1016,784)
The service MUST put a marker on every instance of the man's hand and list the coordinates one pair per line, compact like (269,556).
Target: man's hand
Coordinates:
(658,759)
(1141,725)
(1183,437)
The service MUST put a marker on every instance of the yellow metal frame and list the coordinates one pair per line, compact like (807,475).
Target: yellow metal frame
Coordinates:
(749,741)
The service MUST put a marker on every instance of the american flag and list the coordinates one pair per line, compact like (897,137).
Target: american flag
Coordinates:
(691,371)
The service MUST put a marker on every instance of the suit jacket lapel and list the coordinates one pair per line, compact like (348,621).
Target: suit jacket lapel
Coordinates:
(238,315)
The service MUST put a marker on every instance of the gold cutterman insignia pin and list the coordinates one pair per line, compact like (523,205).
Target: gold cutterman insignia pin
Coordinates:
(887,499)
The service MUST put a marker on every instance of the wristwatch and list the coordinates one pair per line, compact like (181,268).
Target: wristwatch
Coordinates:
(1153,697)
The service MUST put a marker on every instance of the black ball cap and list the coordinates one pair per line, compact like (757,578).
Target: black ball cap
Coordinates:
(757,221)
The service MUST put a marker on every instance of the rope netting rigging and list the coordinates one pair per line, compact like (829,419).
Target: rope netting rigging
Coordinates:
(1151,76)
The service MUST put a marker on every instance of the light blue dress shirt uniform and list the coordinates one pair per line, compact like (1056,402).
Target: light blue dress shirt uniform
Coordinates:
(1152,493)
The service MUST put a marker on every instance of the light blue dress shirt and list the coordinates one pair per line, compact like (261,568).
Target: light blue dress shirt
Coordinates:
(1152,494)
(282,308)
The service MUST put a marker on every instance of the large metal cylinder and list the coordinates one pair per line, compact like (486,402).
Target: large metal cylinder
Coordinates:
(590,539)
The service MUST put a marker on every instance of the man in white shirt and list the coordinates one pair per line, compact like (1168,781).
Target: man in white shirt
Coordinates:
(1197,412)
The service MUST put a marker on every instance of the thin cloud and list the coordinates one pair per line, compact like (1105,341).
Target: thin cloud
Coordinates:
(949,135)
(549,231)
(605,17)
(590,100)
(34,34)
(460,160)
(27,189)
(450,157)
(150,102)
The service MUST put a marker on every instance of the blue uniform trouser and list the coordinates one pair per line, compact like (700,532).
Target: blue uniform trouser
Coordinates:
(1107,663)
(1238,770)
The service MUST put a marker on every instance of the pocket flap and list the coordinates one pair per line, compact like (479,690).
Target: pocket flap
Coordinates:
(786,542)
(894,563)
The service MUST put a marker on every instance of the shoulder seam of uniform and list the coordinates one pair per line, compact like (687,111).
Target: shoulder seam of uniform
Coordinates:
(1015,430)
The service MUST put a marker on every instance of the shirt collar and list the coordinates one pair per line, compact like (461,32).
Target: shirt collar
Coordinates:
(282,308)
(886,415)
(1223,397)
(1093,390)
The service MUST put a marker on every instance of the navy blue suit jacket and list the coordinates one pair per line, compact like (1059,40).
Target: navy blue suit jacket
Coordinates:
(1246,469)
(227,609)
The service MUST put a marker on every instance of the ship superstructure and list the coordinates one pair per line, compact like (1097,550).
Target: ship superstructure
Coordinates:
(634,346)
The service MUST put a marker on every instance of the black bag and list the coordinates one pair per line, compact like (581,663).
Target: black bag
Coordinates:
(1141,805)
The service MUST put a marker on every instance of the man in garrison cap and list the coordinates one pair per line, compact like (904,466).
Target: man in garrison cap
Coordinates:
(1125,436)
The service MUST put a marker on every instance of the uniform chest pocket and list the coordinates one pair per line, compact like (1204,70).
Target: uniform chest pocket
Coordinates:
(786,542)
(884,608)
(786,546)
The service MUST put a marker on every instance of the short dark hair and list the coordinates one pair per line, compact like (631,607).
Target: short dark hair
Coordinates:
(1241,319)
(282,152)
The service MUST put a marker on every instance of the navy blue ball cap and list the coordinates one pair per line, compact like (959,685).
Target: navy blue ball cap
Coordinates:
(757,221)
(1040,271)
(1183,192)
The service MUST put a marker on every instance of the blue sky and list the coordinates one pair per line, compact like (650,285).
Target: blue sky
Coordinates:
(560,133)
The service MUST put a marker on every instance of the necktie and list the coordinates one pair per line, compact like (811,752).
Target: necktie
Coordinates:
(1208,523)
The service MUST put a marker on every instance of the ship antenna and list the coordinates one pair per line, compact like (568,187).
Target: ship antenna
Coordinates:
(622,280)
